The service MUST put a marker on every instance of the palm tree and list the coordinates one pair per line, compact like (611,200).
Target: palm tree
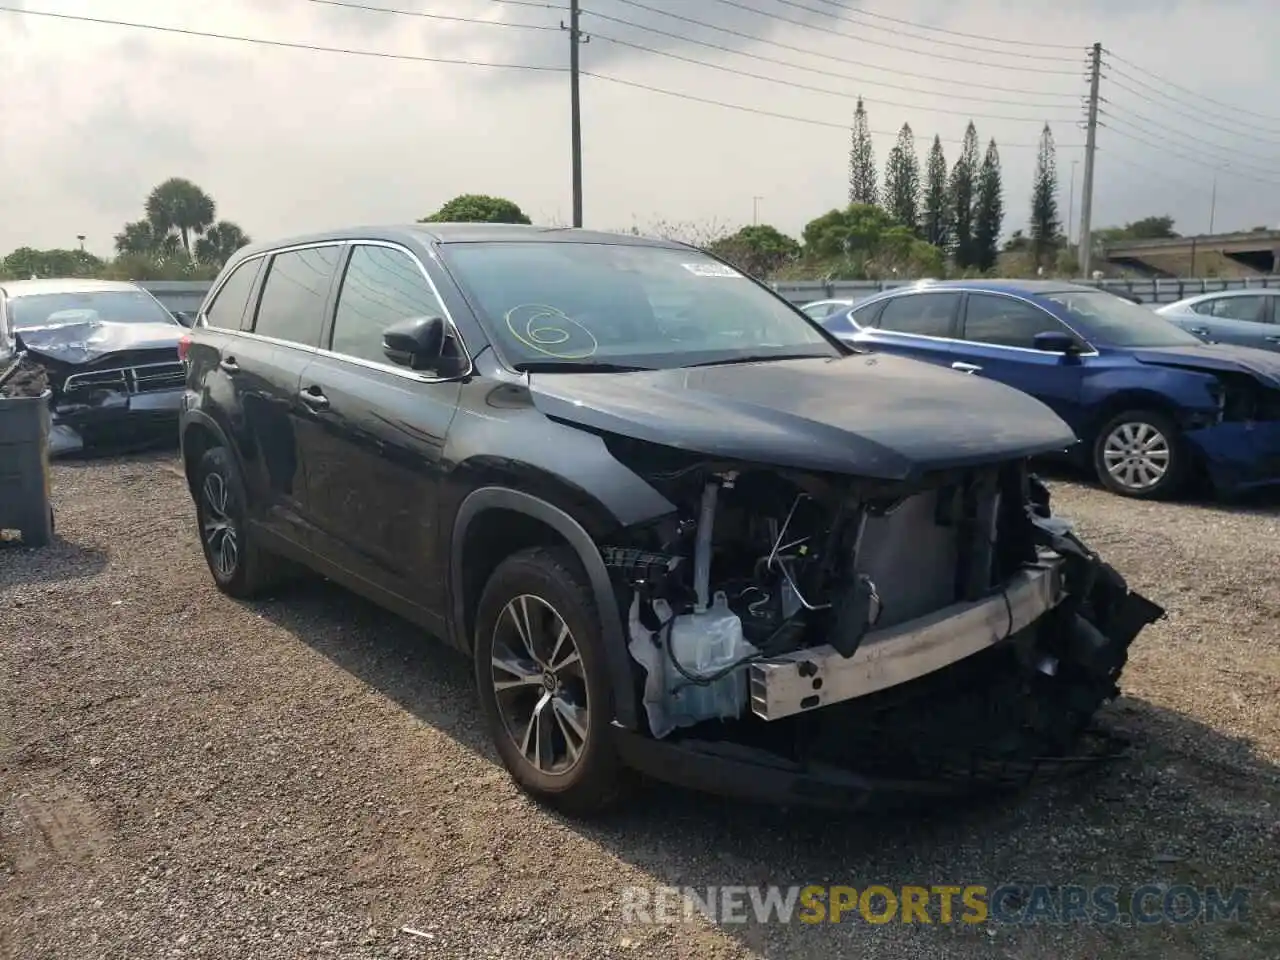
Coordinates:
(219,242)
(137,239)
(180,205)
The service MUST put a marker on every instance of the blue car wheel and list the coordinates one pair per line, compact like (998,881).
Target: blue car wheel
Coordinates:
(1140,454)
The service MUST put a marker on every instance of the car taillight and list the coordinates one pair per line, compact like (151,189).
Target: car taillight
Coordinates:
(184,345)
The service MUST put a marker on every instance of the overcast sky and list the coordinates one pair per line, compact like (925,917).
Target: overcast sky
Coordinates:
(290,140)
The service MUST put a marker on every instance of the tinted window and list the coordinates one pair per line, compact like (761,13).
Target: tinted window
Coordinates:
(1240,308)
(227,309)
(113,306)
(292,304)
(1109,321)
(380,287)
(1006,322)
(927,314)
(627,304)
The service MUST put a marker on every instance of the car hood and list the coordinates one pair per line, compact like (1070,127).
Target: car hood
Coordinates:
(84,341)
(877,416)
(1263,365)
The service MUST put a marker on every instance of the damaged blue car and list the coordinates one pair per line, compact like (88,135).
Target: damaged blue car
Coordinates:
(1154,407)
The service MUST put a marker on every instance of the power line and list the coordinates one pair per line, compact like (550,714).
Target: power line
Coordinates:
(811,54)
(1152,129)
(828,90)
(1175,103)
(1190,92)
(370,8)
(830,124)
(891,30)
(1221,167)
(951,33)
(756,39)
(377,54)
(1160,174)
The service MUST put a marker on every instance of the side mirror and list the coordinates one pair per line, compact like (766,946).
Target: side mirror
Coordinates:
(417,343)
(184,317)
(1056,342)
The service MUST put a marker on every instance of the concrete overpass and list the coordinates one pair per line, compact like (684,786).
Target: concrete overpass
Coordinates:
(1227,254)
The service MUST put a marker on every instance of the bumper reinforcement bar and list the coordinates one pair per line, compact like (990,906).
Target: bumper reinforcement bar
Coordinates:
(819,676)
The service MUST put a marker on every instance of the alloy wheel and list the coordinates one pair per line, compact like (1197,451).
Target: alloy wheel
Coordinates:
(1137,455)
(219,530)
(539,684)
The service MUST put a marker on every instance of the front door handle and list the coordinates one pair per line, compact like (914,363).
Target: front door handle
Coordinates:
(314,398)
(1272,339)
(1199,331)
(228,365)
(966,367)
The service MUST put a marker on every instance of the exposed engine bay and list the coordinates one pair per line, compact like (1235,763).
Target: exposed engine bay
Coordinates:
(775,600)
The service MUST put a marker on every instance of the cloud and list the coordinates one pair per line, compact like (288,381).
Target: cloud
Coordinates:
(289,140)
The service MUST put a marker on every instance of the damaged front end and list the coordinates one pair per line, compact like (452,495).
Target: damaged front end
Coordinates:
(107,389)
(805,637)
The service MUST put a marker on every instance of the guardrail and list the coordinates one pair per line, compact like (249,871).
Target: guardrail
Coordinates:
(188,294)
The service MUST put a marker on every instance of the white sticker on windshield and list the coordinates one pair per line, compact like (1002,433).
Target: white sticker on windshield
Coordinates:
(711,270)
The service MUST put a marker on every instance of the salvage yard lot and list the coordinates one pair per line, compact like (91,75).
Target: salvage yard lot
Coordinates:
(182,775)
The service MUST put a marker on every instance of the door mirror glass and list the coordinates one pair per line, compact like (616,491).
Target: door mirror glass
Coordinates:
(1055,341)
(185,318)
(416,343)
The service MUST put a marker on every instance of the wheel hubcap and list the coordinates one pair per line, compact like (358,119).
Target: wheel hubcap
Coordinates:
(540,685)
(218,528)
(1136,455)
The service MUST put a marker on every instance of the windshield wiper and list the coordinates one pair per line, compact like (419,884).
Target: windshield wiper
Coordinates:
(761,358)
(575,366)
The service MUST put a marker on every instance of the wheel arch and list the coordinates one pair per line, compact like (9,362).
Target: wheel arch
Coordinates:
(200,433)
(1133,398)
(524,520)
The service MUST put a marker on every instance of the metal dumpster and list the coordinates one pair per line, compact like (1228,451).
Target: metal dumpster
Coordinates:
(26,511)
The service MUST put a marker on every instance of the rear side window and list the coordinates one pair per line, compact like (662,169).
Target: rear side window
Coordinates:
(924,314)
(294,294)
(1006,322)
(1251,308)
(381,287)
(227,309)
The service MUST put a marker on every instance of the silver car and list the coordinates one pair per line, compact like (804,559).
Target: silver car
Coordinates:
(1247,318)
(110,352)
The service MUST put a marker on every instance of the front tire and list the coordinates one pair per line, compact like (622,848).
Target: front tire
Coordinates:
(543,682)
(240,567)
(1140,454)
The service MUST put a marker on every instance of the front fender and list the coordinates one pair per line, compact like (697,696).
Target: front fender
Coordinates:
(611,626)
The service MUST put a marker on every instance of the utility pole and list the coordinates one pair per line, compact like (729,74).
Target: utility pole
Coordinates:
(1090,148)
(576,37)
(755,209)
(1071,204)
(1213,202)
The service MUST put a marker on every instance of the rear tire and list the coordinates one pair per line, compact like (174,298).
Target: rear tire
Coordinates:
(240,567)
(1141,454)
(543,682)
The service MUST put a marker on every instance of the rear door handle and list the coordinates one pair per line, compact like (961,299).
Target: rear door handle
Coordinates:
(229,365)
(966,367)
(1272,339)
(314,398)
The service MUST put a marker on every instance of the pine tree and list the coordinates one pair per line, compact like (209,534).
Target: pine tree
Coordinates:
(1045,225)
(963,181)
(902,181)
(988,210)
(862,161)
(937,217)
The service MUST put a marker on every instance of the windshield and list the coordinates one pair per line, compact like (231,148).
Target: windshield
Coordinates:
(619,304)
(1106,320)
(115,306)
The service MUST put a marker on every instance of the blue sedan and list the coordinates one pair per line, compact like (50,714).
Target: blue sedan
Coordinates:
(1152,404)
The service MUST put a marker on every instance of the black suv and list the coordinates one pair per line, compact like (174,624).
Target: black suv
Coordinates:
(678,527)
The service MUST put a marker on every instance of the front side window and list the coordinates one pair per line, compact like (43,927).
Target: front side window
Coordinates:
(97,306)
(923,314)
(1006,322)
(227,310)
(292,304)
(381,287)
(1108,321)
(556,302)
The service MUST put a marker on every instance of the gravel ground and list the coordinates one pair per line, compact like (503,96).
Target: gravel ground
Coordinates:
(185,776)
